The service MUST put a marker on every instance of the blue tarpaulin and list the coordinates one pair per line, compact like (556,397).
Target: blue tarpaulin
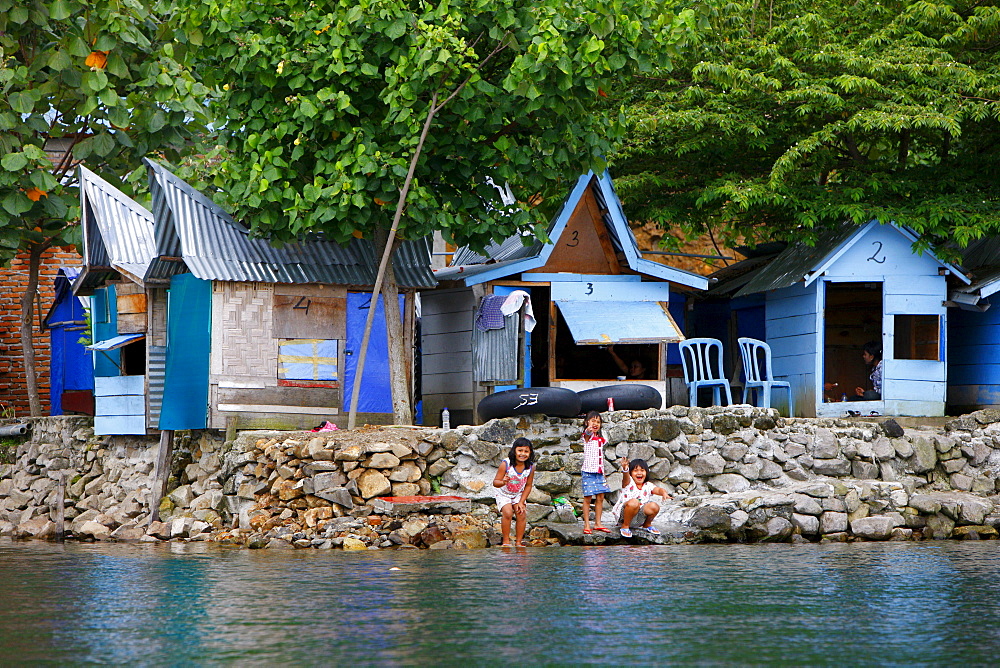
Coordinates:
(375,395)
(189,340)
(307,359)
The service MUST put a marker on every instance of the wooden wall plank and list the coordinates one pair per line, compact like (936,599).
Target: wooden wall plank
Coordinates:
(450,344)
(913,390)
(447,383)
(285,396)
(309,317)
(104,426)
(913,304)
(119,385)
(445,323)
(310,289)
(128,404)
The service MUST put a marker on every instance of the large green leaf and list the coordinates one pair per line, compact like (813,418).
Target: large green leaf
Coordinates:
(16,203)
(14,162)
(21,101)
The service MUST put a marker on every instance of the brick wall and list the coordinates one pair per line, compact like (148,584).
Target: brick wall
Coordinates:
(13,386)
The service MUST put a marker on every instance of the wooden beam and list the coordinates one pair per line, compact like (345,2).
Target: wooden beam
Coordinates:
(162,473)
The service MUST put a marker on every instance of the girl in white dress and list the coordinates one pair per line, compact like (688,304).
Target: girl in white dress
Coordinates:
(513,482)
(635,500)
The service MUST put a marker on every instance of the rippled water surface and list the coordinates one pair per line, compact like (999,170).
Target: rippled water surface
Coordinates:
(860,604)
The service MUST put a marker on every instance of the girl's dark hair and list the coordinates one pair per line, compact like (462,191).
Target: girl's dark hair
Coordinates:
(874,349)
(512,455)
(641,463)
(592,414)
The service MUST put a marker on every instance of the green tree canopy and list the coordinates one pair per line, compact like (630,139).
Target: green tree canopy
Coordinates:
(103,79)
(94,81)
(324,104)
(792,116)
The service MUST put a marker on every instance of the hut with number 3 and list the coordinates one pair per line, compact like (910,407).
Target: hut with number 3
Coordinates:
(591,294)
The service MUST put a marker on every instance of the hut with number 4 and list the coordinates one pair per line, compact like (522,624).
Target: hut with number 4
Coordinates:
(209,327)
(579,297)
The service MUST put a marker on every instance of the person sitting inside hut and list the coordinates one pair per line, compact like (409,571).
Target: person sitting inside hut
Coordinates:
(634,370)
(871,353)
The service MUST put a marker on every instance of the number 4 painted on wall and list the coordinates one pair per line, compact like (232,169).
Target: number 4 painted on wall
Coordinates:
(303,304)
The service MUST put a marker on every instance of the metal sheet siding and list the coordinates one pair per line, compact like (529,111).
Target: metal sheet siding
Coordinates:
(216,247)
(156,365)
(495,351)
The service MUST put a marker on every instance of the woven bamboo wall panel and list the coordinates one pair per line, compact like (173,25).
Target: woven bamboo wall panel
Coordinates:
(247,347)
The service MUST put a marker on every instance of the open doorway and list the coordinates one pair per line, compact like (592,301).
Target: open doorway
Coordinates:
(852,317)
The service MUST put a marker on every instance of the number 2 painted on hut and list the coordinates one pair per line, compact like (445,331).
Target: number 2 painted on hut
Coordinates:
(874,257)
(299,305)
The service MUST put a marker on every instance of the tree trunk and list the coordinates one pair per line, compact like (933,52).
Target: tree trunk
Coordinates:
(402,407)
(27,323)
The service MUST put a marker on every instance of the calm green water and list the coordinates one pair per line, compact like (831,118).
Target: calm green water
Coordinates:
(863,604)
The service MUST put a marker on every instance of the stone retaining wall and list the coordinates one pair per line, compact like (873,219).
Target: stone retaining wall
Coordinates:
(736,474)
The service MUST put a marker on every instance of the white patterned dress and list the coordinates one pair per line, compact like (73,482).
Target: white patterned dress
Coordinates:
(511,492)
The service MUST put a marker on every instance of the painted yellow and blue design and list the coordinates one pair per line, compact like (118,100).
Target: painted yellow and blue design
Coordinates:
(308,361)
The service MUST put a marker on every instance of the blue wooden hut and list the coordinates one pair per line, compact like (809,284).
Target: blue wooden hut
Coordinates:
(71,369)
(858,284)
(589,288)
(974,331)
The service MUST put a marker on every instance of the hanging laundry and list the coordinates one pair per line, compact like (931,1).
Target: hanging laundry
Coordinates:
(513,304)
(490,315)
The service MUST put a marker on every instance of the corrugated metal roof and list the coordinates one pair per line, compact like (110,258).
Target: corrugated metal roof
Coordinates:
(982,259)
(117,233)
(793,263)
(511,248)
(495,351)
(202,238)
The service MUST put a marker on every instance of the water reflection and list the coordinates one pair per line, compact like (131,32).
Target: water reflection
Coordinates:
(196,603)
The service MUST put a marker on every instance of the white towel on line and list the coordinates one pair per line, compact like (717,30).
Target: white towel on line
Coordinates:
(513,304)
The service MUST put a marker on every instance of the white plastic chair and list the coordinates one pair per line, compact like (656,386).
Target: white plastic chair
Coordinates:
(702,363)
(757,370)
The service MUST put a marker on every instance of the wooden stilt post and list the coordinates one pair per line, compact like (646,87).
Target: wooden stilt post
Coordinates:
(162,473)
(60,518)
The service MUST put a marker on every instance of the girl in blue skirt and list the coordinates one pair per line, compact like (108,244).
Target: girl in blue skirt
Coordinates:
(594,482)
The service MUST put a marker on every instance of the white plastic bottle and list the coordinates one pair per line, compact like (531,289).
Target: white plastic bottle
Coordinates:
(445,419)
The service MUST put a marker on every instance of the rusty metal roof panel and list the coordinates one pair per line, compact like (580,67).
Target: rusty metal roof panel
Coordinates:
(213,246)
